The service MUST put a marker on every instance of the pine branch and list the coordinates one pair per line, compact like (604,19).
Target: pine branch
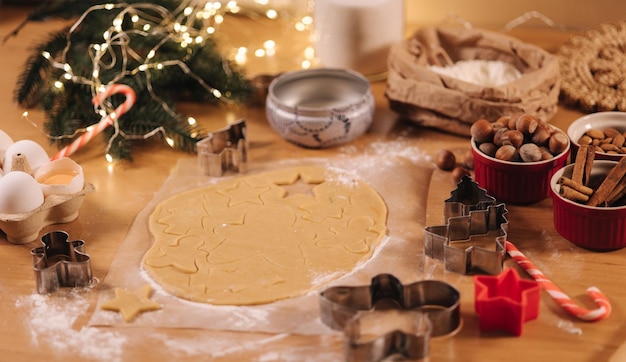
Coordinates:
(32,80)
(69,109)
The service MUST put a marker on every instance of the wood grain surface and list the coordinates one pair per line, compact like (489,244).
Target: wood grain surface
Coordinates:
(34,327)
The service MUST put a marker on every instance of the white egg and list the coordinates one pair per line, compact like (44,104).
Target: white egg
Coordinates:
(19,193)
(5,142)
(60,177)
(35,154)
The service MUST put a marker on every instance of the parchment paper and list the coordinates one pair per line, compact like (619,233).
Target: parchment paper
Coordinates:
(403,184)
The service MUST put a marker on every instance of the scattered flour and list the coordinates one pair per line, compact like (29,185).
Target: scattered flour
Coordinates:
(569,327)
(488,73)
(388,151)
(51,323)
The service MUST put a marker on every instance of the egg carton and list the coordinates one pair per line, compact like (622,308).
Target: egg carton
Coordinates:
(22,228)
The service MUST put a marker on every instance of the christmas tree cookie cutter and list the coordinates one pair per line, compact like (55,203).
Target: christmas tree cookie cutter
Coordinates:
(60,263)
(474,237)
(432,308)
(223,150)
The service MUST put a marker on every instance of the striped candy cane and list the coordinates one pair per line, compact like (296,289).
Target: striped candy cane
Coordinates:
(105,121)
(589,315)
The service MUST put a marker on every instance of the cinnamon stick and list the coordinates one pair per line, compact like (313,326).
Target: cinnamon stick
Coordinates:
(591,155)
(564,181)
(579,164)
(618,192)
(572,194)
(613,178)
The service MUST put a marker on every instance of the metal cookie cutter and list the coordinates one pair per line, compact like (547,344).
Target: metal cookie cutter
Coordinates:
(342,307)
(60,263)
(374,336)
(474,237)
(224,150)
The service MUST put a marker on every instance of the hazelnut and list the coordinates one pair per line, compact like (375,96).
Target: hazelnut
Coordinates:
(458,173)
(541,135)
(482,131)
(526,123)
(512,137)
(530,152)
(558,143)
(507,153)
(445,160)
(488,149)
(513,119)
(497,136)
(545,153)
(502,122)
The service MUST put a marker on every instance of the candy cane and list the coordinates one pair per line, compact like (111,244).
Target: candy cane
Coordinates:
(564,301)
(105,121)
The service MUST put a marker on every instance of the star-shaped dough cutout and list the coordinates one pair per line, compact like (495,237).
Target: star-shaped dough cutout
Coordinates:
(505,301)
(243,192)
(131,304)
(180,256)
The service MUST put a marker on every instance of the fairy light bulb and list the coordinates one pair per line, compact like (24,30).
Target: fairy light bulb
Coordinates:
(109,158)
(117,24)
(271,14)
(169,141)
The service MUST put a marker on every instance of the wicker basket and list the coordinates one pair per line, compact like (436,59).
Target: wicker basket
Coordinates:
(593,69)
(435,100)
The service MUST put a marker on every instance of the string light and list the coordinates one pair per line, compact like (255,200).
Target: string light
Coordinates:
(189,24)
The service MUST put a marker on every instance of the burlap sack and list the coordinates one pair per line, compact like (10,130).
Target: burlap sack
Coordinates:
(434,100)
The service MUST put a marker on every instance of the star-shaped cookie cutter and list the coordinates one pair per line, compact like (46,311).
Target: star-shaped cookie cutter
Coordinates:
(60,263)
(505,301)
(342,307)
(225,149)
(474,237)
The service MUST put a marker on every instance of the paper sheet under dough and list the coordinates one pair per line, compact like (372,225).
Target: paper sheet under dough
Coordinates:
(401,182)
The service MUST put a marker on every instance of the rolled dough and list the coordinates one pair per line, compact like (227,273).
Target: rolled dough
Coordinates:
(262,238)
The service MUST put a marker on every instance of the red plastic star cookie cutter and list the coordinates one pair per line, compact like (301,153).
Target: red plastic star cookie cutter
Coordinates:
(505,301)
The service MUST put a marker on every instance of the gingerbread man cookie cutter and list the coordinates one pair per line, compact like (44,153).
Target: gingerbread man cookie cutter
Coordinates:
(60,263)
(432,306)
(223,150)
(474,237)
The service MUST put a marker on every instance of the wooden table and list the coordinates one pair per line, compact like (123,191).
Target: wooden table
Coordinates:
(124,189)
